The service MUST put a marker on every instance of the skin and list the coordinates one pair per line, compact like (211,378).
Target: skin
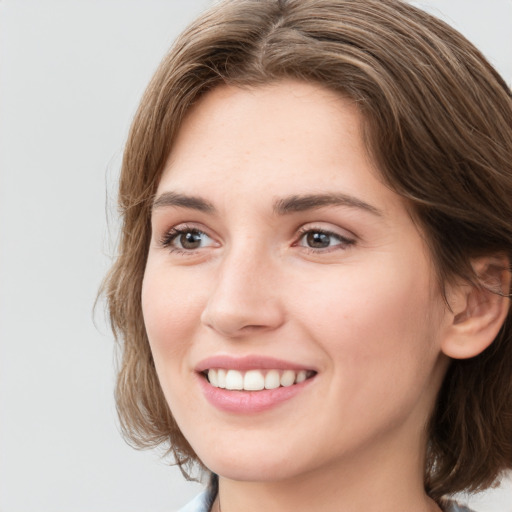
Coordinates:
(364,312)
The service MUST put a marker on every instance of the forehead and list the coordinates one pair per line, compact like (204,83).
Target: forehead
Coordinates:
(268,142)
(284,129)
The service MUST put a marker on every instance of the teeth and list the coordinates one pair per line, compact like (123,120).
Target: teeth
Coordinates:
(213,378)
(301,376)
(272,380)
(255,380)
(221,378)
(234,380)
(287,378)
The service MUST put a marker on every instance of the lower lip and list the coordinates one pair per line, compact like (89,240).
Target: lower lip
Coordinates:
(246,402)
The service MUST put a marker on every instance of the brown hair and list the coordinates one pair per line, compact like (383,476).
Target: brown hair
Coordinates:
(438,122)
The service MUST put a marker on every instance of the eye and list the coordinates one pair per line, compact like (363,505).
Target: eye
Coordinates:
(318,239)
(186,239)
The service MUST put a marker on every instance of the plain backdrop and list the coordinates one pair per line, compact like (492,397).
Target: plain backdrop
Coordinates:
(71,75)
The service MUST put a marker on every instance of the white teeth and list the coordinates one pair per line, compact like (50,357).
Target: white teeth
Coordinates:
(221,378)
(212,377)
(255,380)
(272,380)
(234,380)
(287,378)
(301,376)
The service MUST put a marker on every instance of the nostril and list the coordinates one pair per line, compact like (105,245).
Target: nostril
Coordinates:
(238,305)
(234,324)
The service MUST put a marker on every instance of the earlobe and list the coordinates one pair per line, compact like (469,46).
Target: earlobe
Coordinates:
(478,311)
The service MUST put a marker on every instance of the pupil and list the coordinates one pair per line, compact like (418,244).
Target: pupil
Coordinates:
(318,240)
(190,240)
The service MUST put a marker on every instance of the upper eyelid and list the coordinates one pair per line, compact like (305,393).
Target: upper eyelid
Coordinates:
(343,240)
(329,229)
(185,226)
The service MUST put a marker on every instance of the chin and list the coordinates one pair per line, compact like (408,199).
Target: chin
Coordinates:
(253,465)
(258,471)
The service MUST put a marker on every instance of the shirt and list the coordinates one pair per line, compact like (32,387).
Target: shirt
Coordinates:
(204,501)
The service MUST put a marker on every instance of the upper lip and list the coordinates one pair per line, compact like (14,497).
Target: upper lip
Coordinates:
(253,362)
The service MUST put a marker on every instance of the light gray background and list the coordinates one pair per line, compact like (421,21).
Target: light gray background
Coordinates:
(71,74)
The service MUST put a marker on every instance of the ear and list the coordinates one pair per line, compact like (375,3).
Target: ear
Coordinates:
(478,311)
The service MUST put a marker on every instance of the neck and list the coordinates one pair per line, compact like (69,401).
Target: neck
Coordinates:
(390,481)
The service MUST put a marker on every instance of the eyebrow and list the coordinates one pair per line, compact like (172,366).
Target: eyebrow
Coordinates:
(283,206)
(300,203)
(182,201)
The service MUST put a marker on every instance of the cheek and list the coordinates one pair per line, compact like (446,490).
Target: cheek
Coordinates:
(379,334)
(172,310)
(379,318)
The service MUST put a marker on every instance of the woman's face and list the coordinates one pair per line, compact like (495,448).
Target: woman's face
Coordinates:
(278,255)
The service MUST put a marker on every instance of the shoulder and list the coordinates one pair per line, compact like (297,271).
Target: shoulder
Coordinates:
(453,506)
(201,503)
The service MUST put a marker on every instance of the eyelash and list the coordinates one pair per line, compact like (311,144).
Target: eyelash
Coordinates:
(344,242)
(172,234)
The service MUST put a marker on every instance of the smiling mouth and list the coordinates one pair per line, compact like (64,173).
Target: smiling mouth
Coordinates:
(255,380)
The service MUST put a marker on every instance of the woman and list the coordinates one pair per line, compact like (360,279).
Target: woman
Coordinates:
(313,278)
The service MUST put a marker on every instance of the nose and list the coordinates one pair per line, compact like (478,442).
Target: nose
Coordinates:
(245,297)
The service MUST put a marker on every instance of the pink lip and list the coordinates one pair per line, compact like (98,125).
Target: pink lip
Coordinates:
(247,402)
(248,363)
